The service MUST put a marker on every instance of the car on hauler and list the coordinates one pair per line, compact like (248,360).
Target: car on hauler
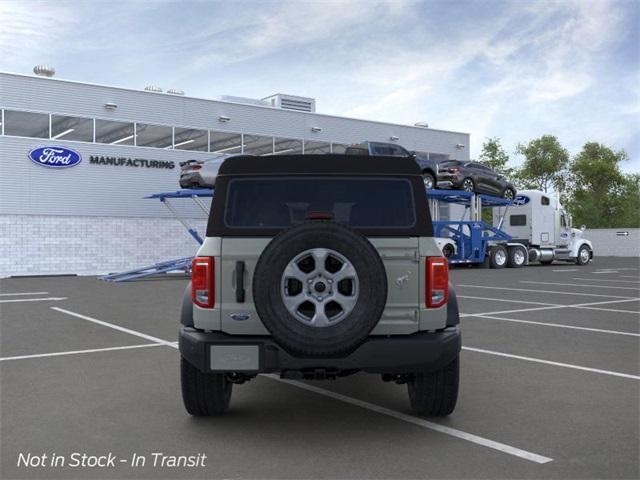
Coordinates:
(317,267)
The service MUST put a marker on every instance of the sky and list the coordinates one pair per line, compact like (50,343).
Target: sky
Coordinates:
(509,69)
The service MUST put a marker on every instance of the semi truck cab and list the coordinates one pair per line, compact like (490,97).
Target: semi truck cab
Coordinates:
(538,221)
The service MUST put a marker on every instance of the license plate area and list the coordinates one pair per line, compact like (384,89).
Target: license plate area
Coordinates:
(234,358)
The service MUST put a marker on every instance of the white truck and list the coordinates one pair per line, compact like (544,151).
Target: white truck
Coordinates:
(538,221)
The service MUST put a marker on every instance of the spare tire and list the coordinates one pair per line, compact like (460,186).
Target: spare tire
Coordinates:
(319,288)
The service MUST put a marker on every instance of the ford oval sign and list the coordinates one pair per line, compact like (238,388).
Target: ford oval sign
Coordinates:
(55,157)
(521,200)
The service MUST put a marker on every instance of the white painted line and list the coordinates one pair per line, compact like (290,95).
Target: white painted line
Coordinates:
(115,327)
(605,272)
(567,270)
(615,310)
(47,299)
(628,276)
(604,280)
(23,293)
(76,352)
(530,290)
(556,364)
(469,437)
(558,325)
(581,285)
(509,301)
(588,306)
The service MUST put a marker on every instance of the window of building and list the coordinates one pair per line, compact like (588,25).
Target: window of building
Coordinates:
(71,128)
(190,139)
(287,146)
(518,220)
(316,148)
(26,124)
(338,148)
(157,136)
(388,150)
(224,142)
(258,145)
(114,133)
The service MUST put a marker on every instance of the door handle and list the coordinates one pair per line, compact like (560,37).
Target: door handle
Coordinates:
(240,281)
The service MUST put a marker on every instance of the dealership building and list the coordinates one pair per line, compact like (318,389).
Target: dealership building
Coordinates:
(91,217)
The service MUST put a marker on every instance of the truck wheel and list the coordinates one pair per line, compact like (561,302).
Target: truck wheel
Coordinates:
(508,194)
(468,185)
(498,257)
(429,181)
(517,257)
(204,394)
(319,288)
(584,255)
(435,393)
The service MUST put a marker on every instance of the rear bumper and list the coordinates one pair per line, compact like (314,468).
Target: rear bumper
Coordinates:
(396,354)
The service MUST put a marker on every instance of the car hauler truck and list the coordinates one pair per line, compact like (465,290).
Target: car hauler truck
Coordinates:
(532,228)
(538,221)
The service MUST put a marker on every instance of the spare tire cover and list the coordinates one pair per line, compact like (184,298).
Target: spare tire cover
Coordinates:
(319,288)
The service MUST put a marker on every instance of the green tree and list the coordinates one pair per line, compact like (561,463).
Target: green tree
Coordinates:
(600,195)
(545,164)
(494,156)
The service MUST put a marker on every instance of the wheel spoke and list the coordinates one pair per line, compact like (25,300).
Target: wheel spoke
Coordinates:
(320,319)
(346,271)
(293,271)
(347,302)
(319,257)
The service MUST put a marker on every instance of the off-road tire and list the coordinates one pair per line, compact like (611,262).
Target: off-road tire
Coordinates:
(204,394)
(435,393)
(332,340)
(495,254)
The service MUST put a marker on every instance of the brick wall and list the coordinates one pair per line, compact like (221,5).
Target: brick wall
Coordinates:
(45,245)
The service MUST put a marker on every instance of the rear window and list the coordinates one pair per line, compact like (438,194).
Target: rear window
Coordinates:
(267,203)
(518,220)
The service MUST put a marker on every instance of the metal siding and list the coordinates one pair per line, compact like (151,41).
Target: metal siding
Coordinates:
(102,190)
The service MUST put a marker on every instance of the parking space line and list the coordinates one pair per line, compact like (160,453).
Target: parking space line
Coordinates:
(23,293)
(558,325)
(616,310)
(47,299)
(582,285)
(549,362)
(517,452)
(115,327)
(588,306)
(605,280)
(77,352)
(532,290)
(567,270)
(628,276)
(509,301)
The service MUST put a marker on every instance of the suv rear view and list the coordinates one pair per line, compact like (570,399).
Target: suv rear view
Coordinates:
(319,267)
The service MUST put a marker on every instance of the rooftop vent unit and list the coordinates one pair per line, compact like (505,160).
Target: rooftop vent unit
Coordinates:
(44,71)
(175,91)
(291,102)
(153,88)
(244,100)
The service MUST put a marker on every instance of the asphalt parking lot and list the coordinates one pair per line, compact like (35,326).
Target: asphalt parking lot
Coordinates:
(549,388)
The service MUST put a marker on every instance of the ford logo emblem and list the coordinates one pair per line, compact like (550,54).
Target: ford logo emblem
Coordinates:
(55,157)
(521,200)
(240,317)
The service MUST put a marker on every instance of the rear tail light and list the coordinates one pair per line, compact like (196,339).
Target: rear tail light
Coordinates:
(437,282)
(196,167)
(454,170)
(202,281)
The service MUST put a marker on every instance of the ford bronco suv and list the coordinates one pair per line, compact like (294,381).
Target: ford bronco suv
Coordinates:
(317,267)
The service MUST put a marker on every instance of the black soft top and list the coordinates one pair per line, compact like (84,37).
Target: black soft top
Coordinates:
(332,164)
